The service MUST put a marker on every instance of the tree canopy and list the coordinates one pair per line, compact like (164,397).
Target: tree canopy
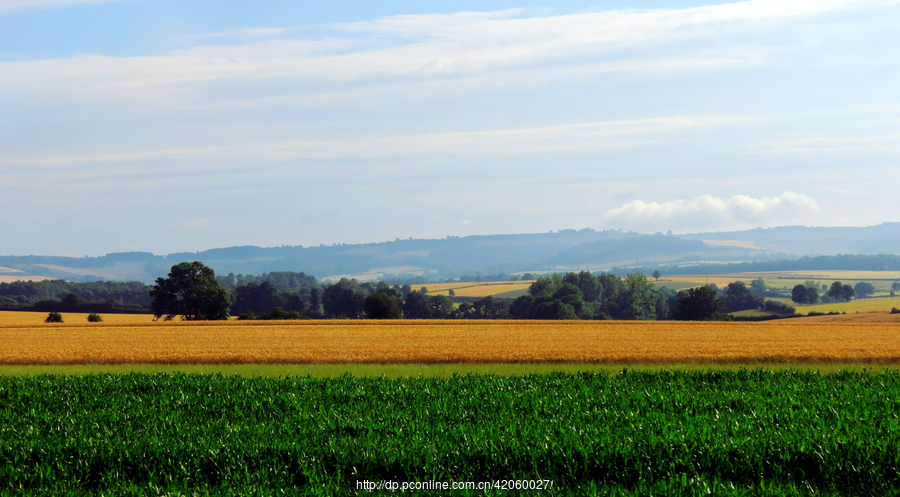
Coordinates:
(863,289)
(699,304)
(191,291)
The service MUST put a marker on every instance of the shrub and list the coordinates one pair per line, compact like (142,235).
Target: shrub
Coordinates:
(94,318)
(894,310)
(54,317)
(779,307)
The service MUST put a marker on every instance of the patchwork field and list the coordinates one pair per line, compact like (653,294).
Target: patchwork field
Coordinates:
(445,342)
(787,279)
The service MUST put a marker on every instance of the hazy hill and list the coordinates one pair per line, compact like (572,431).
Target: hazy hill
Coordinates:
(455,256)
(803,240)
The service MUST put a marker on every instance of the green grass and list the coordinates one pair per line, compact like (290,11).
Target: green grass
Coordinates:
(746,432)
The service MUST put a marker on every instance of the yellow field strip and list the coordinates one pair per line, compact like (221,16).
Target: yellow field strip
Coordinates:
(13,279)
(30,318)
(440,342)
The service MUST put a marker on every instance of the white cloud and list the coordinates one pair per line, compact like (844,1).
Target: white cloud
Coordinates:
(707,212)
(430,47)
(11,5)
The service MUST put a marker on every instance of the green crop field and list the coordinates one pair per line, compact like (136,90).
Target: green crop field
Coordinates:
(636,433)
(856,305)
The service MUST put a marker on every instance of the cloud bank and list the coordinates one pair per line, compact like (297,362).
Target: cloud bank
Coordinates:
(707,212)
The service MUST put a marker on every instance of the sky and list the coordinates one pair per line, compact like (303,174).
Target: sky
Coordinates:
(167,126)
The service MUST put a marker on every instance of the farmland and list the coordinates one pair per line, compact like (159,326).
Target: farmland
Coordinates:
(34,318)
(726,433)
(446,342)
(478,289)
(787,279)
(856,305)
(585,405)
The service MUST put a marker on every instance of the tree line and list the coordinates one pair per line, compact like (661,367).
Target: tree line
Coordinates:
(809,292)
(193,291)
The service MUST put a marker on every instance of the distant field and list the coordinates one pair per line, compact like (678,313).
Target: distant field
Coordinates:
(785,280)
(731,243)
(10,279)
(447,342)
(862,317)
(861,305)
(9,270)
(471,289)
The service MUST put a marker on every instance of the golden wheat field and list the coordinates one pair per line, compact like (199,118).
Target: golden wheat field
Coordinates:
(16,317)
(436,342)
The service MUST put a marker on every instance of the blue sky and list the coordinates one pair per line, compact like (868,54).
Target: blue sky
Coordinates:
(179,126)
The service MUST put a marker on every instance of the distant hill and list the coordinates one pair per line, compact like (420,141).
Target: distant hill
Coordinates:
(489,254)
(803,240)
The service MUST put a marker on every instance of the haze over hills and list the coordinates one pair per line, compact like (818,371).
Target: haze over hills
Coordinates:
(456,256)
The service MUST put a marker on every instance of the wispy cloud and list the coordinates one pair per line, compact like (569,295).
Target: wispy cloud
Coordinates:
(707,212)
(13,5)
(509,142)
(435,46)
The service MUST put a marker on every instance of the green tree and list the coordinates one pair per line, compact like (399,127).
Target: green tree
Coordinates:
(863,290)
(836,292)
(344,299)
(315,302)
(637,298)
(383,306)
(698,304)
(895,286)
(739,298)
(758,287)
(441,306)
(417,306)
(657,274)
(798,294)
(191,291)
(255,298)
(812,295)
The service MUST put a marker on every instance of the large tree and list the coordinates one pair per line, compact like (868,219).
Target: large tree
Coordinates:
(739,298)
(383,305)
(344,299)
(863,289)
(799,294)
(699,304)
(840,292)
(191,291)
